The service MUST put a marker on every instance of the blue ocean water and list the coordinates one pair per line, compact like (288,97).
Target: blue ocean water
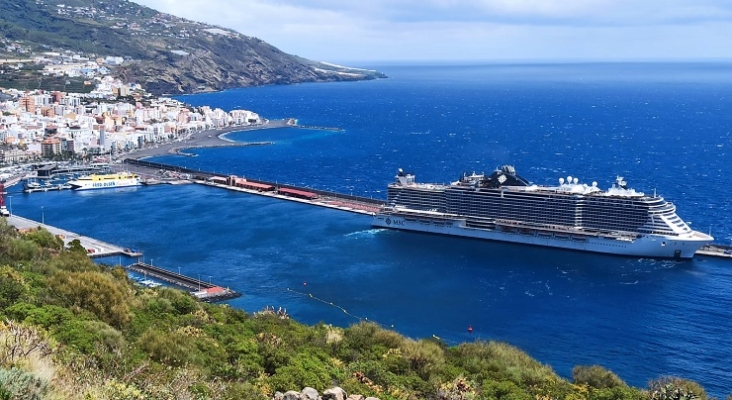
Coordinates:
(664,127)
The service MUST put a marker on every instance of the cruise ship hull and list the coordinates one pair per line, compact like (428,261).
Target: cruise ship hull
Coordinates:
(652,246)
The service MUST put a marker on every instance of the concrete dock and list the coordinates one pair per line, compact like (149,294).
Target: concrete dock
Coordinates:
(715,250)
(338,203)
(95,248)
(204,291)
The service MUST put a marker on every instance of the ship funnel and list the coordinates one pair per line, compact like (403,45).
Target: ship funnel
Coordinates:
(405,178)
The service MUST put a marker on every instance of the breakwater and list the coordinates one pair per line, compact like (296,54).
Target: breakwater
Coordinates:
(198,174)
(182,150)
(204,291)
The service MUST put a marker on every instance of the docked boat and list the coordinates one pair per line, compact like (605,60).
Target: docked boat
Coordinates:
(570,215)
(105,181)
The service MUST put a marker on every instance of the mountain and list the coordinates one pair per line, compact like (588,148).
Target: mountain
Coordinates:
(164,53)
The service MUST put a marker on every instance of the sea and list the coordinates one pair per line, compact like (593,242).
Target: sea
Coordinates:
(665,127)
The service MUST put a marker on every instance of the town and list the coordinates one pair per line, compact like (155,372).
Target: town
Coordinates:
(111,120)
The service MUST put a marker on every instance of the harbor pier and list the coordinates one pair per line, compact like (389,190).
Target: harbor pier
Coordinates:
(715,250)
(316,197)
(95,248)
(204,291)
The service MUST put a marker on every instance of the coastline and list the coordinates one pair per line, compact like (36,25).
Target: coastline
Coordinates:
(206,139)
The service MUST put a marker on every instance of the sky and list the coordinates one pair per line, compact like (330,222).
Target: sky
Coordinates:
(475,30)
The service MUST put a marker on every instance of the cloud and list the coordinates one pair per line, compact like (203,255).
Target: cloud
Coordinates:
(474,30)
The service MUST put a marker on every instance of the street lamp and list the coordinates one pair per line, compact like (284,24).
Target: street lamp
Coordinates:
(10,203)
(43,217)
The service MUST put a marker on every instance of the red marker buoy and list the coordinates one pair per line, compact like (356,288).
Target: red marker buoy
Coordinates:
(470,328)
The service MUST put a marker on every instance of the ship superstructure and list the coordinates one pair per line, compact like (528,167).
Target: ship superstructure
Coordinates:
(504,206)
(105,181)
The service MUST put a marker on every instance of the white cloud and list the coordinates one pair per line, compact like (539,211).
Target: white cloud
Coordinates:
(386,30)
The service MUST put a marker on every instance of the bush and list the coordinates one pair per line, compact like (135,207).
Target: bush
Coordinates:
(73,261)
(20,250)
(12,287)
(47,316)
(424,357)
(17,384)
(617,393)
(44,239)
(504,390)
(367,341)
(673,388)
(181,302)
(501,361)
(185,345)
(19,342)
(596,376)
(91,337)
(302,370)
(95,292)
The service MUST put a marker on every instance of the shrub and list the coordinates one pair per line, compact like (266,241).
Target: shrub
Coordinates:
(44,238)
(95,292)
(181,302)
(367,341)
(74,261)
(91,337)
(501,361)
(596,376)
(20,250)
(20,342)
(504,390)
(46,316)
(12,287)
(674,388)
(185,345)
(301,371)
(617,393)
(424,357)
(17,384)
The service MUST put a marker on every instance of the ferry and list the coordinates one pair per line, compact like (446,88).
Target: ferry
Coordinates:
(503,206)
(105,181)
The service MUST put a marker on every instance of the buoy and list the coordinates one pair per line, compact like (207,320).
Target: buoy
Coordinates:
(470,328)
(304,283)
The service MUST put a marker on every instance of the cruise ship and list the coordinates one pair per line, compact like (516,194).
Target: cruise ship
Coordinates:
(105,181)
(503,206)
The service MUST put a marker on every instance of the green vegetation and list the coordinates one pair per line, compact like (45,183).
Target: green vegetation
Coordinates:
(76,330)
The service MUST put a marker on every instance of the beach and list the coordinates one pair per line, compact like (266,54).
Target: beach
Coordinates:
(206,138)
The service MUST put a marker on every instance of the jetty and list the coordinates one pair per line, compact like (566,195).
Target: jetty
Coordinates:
(316,197)
(204,291)
(715,250)
(94,248)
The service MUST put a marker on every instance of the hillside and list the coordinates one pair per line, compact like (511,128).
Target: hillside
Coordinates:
(164,53)
(72,329)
